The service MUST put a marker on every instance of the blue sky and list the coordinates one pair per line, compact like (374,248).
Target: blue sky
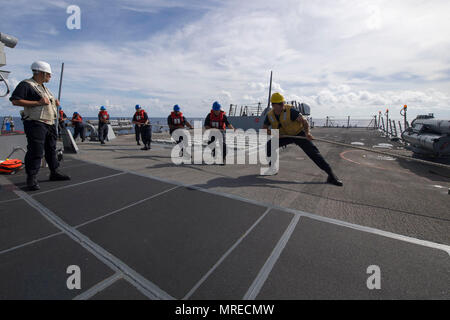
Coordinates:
(343,57)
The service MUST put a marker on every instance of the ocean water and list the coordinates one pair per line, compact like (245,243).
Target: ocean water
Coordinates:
(160,124)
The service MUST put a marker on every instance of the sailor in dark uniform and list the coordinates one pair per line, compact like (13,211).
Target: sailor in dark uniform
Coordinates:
(216,119)
(176,120)
(78,125)
(141,120)
(137,128)
(103,121)
(62,121)
(39,117)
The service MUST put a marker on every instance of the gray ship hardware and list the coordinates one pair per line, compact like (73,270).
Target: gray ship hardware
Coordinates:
(10,42)
(59,98)
(70,146)
(8,126)
(353,146)
(114,127)
(429,137)
(251,116)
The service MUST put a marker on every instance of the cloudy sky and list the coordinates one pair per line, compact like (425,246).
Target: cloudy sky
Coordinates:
(343,57)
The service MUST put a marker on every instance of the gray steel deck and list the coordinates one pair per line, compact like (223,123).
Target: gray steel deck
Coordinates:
(140,227)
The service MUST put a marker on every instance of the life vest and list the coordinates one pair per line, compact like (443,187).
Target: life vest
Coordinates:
(286,126)
(217,122)
(61,115)
(46,113)
(11,166)
(104,114)
(77,118)
(140,116)
(177,119)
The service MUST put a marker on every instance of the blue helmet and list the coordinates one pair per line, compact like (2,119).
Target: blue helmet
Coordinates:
(216,106)
(176,108)
(138,107)
(59,108)
(102,108)
(75,113)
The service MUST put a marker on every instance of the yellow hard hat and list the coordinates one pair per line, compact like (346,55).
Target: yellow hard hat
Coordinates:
(277,98)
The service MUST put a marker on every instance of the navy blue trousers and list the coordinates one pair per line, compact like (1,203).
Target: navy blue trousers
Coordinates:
(41,139)
(308,147)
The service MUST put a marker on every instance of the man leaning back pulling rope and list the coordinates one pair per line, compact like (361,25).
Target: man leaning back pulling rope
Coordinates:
(291,123)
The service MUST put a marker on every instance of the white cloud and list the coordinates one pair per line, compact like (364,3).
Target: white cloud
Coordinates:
(345,56)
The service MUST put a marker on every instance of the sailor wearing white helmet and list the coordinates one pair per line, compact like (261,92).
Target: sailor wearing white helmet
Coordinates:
(39,117)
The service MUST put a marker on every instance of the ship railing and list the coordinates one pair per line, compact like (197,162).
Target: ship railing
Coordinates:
(116,124)
(257,109)
(252,110)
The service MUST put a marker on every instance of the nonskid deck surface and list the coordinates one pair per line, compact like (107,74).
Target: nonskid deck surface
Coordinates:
(140,227)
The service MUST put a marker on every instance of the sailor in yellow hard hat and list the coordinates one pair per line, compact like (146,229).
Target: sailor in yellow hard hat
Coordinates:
(290,122)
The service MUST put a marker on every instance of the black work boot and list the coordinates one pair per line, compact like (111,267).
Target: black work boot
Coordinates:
(148,146)
(32,183)
(144,148)
(334,180)
(58,176)
(138,143)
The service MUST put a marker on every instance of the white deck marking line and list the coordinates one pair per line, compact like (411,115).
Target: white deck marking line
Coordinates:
(219,262)
(126,207)
(74,166)
(316,217)
(263,274)
(30,242)
(387,234)
(78,184)
(379,232)
(102,285)
(68,186)
(152,291)
(135,285)
(10,200)
(122,150)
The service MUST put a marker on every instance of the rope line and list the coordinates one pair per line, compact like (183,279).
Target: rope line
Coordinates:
(441,165)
